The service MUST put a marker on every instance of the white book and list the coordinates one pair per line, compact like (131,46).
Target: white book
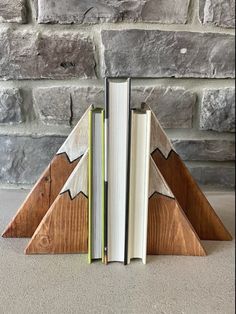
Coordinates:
(96,184)
(117,158)
(139,184)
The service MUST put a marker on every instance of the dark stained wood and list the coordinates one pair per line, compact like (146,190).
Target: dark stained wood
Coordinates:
(64,228)
(191,199)
(32,210)
(60,171)
(169,231)
(40,198)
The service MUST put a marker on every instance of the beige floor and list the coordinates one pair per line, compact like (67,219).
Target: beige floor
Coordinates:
(67,284)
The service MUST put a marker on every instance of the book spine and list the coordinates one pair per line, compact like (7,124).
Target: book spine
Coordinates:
(147,164)
(128,175)
(106,137)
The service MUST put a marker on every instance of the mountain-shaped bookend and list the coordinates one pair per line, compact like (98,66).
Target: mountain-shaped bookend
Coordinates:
(55,214)
(47,188)
(58,230)
(193,202)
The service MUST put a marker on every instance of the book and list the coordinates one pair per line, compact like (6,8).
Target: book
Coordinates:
(117,158)
(96,185)
(139,184)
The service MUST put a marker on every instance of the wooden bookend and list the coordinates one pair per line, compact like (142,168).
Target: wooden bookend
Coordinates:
(64,228)
(169,230)
(186,191)
(50,183)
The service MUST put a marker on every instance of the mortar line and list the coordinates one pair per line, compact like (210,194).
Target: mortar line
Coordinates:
(190,83)
(89,29)
(38,128)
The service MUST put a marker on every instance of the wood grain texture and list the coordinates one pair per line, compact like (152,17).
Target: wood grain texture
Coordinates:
(156,181)
(76,143)
(159,139)
(169,231)
(64,228)
(78,180)
(191,199)
(60,170)
(40,198)
(31,212)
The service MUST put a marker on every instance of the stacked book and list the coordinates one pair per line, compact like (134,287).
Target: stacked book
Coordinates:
(119,154)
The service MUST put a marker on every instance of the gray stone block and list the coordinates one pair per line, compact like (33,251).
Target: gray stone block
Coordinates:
(96,11)
(83,97)
(11,103)
(172,106)
(217,150)
(222,176)
(54,55)
(168,11)
(217,12)
(22,159)
(66,105)
(154,53)
(12,11)
(53,105)
(218,110)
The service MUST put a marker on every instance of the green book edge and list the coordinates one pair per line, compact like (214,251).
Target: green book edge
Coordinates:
(90,190)
(103,179)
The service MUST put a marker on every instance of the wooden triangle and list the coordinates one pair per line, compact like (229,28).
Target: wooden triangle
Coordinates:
(50,183)
(186,191)
(169,230)
(64,228)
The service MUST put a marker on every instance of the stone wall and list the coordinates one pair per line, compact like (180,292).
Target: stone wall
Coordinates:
(54,55)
